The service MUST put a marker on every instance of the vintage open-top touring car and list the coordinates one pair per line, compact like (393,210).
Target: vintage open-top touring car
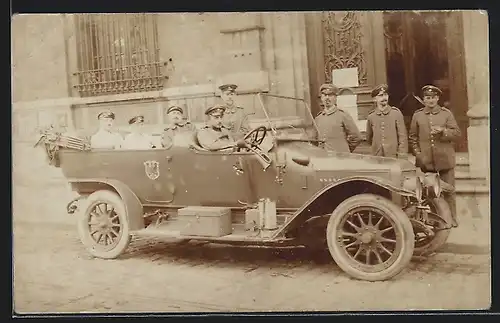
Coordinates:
(280,188)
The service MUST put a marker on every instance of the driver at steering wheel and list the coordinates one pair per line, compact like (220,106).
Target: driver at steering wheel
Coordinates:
(214,135)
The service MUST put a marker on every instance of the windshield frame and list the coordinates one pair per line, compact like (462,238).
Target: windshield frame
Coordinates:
(271,125)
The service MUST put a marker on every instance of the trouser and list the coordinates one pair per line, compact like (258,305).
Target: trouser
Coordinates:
(448,176)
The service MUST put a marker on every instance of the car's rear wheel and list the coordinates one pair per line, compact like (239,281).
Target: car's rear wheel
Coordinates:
(425,244)
(370,237)
(102,225)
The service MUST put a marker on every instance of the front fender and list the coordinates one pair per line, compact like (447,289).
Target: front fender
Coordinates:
(373,180)
(362,181)
(133,205)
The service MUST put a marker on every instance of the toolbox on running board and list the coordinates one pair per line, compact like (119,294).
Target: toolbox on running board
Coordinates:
(206,221)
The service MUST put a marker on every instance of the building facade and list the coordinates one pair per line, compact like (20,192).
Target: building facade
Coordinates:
(68,67)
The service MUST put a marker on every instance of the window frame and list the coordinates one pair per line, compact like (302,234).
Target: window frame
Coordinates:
(117,54)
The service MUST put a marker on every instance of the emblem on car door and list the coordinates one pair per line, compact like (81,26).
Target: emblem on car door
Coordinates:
(152,169)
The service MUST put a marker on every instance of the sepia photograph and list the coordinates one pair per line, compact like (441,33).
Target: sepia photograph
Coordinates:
(250,162)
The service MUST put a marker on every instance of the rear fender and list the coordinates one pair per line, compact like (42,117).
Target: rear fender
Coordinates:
(132,203)
(328,198)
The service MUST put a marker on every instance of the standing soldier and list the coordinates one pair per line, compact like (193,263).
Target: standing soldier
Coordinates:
(336,127)
(433,132)
(385,127)
(105,138)
(236,117)
(176,125)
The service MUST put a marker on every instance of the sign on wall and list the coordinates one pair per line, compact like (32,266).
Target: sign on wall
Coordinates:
(345,79)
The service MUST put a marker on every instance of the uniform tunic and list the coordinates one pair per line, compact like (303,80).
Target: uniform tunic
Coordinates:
(171,131)
(236,120)
(104,139)
(137,141)
(434,152)
(213,138)
(338,130)
(386,133)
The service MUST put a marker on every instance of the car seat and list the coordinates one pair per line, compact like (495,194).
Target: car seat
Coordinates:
(196,143)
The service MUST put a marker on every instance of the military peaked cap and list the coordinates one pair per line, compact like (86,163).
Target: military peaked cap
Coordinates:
(175,108)
(228,87)
(106,114)
(380,89)
(431,90)
(218,108)
(136,119)
(328,89)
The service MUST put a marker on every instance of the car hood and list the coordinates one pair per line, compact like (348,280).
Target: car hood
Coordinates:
(321,159)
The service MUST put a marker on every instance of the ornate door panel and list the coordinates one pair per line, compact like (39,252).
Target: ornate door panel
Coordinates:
(355,39)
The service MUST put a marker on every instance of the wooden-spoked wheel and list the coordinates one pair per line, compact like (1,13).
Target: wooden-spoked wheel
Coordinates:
(103,226)
(370,237)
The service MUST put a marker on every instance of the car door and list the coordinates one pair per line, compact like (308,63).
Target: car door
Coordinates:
(208,178)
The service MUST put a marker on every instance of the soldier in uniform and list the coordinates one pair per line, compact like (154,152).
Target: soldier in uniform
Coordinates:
(105,138)
(214,135)
(336,127)
(433,132)
(137,139)
(385,127)
(236,119)
(176,125)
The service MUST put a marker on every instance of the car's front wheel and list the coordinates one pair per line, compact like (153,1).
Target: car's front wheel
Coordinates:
(102,225)
(370,237)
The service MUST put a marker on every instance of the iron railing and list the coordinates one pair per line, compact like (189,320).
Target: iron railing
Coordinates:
(117,53)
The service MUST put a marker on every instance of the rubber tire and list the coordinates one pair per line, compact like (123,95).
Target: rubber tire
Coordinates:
(402,224)
(114,199)
(440,238)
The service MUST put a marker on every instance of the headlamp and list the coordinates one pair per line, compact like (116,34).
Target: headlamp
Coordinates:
(419,190)
(432,185)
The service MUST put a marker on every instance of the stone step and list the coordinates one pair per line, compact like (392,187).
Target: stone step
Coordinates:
(468,188)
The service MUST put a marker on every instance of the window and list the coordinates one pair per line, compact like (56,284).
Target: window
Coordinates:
(117,53)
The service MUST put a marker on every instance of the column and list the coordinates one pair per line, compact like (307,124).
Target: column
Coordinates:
(475,26)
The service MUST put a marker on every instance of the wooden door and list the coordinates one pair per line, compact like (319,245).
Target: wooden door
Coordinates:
(426,48)
(345,39)
(457,78)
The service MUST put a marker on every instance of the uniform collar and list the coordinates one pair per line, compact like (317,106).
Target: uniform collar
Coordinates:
(175,126)
(330,111)
(385,112)
(210,127)
(435,110)
(232,109)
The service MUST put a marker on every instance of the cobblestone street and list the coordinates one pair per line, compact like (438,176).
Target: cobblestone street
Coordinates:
(53,273)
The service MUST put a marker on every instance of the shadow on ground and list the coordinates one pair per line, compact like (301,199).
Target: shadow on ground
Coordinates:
(251,258)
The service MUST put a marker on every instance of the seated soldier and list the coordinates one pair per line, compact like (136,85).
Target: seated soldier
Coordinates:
(137,139)
(104,138)
(176,125)
(214,135)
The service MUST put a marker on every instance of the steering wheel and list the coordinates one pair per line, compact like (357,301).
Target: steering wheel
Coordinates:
(256,136)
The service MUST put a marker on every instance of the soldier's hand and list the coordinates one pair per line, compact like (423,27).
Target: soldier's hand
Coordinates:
(436,130)
(241,143)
